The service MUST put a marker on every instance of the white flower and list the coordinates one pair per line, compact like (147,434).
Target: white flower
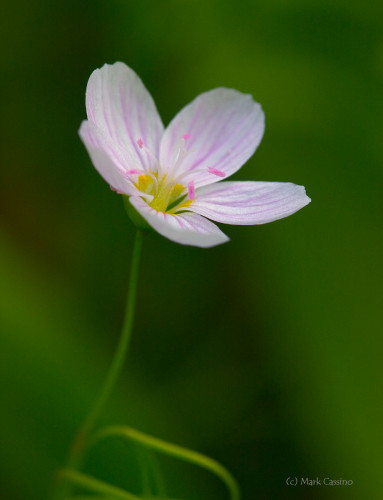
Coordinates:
(172,175)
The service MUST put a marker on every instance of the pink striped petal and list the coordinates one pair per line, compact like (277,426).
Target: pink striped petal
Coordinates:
(224,129)
(249,202)
(108,158)
(119,104)
(187,228)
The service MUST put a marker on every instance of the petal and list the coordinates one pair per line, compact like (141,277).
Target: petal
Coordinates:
(249,202)
(119,104)
(186,228)
(223,127)
(108,158)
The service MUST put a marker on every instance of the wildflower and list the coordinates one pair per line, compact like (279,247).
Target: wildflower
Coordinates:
(172,176)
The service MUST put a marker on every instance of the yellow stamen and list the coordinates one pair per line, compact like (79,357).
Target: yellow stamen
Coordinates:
(181,206)
(164,192)
(145,183)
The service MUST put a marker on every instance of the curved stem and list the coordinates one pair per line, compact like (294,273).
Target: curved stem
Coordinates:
(174,451)
(119,357)
(95,485)
(145,473)
(80,441)
(157,475)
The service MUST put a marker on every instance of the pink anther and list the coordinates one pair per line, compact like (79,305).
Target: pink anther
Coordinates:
(191,191)
(186,136)
(133,172)
(140,143)
(215,171)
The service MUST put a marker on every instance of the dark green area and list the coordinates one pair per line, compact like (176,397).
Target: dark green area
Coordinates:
(266,352)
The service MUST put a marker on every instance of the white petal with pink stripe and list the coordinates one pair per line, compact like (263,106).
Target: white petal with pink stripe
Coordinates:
(249,202)
(186,228)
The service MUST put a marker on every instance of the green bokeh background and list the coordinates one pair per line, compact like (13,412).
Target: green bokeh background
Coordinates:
(266,352)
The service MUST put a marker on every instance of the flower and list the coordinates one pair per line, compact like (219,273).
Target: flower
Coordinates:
(172,176)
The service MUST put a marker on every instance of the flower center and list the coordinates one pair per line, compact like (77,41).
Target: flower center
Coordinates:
(168,196)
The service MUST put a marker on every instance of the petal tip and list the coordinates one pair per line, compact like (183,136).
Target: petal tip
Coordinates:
(305,199)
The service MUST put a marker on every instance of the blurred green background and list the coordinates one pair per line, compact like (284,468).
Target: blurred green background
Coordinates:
(266,352)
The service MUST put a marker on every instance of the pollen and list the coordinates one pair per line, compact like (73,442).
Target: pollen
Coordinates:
(191,191)
(216,172)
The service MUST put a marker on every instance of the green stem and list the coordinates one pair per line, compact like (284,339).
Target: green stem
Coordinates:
(95,485)
(174,451)
(157,475)
(119,357)
(80,441)
(145,473)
